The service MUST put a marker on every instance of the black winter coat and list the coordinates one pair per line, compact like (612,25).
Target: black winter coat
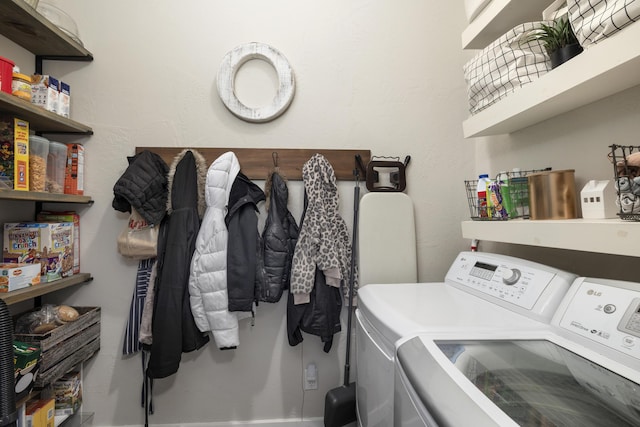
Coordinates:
(279,240)
(143,185)
(174,330)
(243,247)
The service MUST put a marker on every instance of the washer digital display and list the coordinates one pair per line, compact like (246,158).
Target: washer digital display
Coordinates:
(483,270)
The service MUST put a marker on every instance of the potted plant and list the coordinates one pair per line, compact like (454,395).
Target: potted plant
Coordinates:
(558,39)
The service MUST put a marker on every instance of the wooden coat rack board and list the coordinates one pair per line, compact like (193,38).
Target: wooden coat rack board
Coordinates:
(256,163)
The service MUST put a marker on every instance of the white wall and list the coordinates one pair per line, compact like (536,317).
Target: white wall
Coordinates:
(379,75)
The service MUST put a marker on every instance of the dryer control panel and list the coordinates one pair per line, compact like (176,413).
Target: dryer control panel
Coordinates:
(520,285)
(605,311)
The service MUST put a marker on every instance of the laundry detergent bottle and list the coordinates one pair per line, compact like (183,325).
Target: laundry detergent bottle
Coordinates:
(505,190)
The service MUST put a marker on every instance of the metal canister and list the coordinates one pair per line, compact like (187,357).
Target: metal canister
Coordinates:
(552,195)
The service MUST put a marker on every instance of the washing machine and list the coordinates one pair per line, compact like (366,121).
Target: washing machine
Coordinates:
(582,370)
(481,291)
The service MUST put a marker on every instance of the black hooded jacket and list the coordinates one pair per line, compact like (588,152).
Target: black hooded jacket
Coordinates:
(243,248)
(174,330)
(279,240)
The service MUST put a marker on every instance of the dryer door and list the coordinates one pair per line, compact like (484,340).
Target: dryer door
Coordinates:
(374,376)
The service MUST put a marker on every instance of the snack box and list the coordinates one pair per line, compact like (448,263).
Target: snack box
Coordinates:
(14,276)
(66,216)
(26,361)
(68,393)
(14,153)
(49,244)
(40,413)
(74,171)
(64,99)
(45,92)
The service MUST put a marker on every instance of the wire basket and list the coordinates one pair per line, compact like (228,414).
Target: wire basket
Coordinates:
(516,197)
(626,170)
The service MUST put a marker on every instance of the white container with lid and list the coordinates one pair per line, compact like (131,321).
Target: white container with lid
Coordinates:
(56,167)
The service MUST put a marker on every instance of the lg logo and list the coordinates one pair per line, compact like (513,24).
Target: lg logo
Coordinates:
(594,293)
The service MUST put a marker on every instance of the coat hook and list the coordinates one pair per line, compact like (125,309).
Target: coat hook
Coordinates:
(274,156)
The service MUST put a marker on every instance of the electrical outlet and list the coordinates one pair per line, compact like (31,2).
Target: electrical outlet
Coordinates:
(311,377)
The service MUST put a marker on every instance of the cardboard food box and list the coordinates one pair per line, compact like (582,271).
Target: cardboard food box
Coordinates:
(14,153)
(26,361)
(50,244)
(68,393)
(66,216)
(45,92)
(64,99)
(40,413)
(14,276)
(74,173)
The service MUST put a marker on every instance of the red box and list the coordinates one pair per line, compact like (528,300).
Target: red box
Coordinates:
(74,172)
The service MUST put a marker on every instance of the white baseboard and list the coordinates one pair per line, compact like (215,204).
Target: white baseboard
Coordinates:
(313,422)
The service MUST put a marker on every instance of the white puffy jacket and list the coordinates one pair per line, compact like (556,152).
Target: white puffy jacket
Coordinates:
(208,278)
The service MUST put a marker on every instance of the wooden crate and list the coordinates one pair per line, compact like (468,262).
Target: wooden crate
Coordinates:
(67,345)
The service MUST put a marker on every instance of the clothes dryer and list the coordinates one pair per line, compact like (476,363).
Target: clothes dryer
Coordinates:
(582,370)
(481,291)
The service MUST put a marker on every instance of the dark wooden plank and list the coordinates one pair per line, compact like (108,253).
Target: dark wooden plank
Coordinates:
(21,24)
(256,163)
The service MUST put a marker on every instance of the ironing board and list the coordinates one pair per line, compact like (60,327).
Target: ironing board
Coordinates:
(387,239)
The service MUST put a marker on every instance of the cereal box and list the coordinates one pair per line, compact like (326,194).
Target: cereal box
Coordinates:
(18,276)
(14,153)
(66,216)
(49,244)
(40,413)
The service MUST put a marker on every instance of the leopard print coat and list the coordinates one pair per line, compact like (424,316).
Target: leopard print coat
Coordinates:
(324,240)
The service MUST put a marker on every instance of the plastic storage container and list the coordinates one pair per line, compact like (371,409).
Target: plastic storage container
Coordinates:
(38,154)
(56,167)
(21,86)
(6,74)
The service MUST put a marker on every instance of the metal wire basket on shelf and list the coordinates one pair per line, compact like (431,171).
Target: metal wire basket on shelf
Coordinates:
(514,201)
(626,170)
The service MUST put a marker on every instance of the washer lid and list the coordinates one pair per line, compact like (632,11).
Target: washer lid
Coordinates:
(398,310)
(532,381)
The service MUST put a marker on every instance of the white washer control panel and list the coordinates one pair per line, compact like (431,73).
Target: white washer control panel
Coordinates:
(607,312)
(507,279)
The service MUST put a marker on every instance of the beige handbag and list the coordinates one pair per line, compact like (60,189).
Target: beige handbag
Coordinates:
(139,239)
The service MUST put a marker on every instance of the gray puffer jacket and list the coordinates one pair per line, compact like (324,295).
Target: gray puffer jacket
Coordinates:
(279,239)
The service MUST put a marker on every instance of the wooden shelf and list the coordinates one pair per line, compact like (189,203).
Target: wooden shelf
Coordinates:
(21,24)
(608,236)
(603,69)
(40,119)
(498,17)
(34,196)
(44,288)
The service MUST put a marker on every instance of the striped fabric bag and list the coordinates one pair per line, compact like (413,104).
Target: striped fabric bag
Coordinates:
(504,66)
(595,20)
